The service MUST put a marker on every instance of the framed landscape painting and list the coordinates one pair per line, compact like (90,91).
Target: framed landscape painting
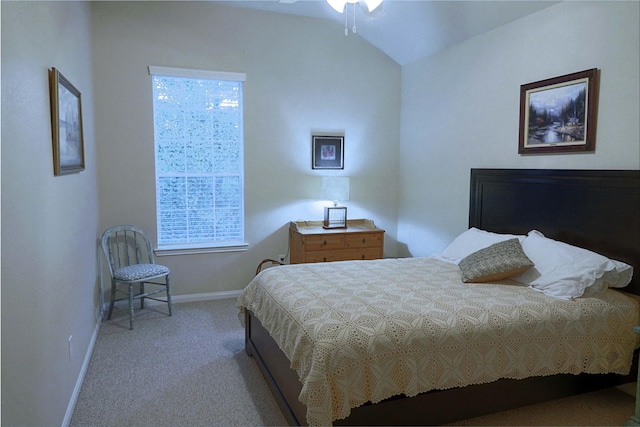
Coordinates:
(559,115)
(66,125)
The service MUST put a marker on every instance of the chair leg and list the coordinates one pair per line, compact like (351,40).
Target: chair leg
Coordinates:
(168,294)
(130,306)
(113,298)
(141,293)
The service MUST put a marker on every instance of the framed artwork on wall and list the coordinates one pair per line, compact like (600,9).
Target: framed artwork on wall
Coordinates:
(66,125)
(327,152)
(559,115)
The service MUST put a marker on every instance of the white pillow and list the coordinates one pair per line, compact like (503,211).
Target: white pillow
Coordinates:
(472,241)
(565,271)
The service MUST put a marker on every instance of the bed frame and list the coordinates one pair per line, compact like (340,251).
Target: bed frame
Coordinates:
(594,209)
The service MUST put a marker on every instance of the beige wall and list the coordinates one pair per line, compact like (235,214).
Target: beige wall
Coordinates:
(302,75)
(460,109)
(49,224)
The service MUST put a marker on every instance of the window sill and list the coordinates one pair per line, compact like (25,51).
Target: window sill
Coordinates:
(190,250)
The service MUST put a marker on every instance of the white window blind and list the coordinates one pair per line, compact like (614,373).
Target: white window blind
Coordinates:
(199,158)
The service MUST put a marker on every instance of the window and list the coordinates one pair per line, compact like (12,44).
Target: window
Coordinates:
(199,159)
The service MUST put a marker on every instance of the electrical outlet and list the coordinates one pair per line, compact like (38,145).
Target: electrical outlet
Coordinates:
(282,258)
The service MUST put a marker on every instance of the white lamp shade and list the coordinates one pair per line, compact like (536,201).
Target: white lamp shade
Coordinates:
(335,188)
(339,5)
(371,5)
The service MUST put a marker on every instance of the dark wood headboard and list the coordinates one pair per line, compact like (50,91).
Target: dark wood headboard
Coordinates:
(597,210)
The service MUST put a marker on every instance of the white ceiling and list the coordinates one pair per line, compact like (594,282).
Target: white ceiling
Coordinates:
(408,30)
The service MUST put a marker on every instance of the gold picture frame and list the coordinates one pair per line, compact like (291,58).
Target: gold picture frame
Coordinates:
(559,115)
(66,125)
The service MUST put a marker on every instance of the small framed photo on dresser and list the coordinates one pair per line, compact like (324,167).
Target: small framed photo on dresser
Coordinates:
(327,152)
(335,217)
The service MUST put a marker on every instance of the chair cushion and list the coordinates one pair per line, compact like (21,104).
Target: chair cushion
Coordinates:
(139,272)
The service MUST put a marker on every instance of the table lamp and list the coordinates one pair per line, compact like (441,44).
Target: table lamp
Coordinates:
(335,188)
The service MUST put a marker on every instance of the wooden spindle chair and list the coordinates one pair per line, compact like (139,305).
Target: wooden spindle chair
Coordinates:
(131,262)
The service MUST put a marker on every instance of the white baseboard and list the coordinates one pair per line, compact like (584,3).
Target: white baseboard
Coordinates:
(177,299)
(204,296)
(80,380)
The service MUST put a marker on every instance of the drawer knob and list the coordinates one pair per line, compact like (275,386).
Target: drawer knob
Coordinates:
(362,256)
(324,259)
(364,240)
(324,243)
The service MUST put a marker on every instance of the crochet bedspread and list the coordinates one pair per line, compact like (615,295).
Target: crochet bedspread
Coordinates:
(364,331)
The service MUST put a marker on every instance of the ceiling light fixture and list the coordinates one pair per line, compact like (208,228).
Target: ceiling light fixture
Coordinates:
(341,7)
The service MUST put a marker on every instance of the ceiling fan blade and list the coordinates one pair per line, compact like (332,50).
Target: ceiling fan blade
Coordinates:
(369,5)
(376,13)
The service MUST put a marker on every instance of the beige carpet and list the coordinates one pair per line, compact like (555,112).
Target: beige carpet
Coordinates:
(191,370)
(610,407)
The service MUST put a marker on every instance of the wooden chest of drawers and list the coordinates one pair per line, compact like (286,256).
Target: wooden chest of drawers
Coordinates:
(309,242)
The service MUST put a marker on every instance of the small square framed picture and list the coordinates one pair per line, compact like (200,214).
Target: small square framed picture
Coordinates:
(327,152)
(335,217)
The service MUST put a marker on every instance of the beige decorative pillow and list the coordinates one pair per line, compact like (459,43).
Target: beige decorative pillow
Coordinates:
(495,262)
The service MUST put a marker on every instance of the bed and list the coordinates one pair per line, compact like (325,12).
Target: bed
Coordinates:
(504,366)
